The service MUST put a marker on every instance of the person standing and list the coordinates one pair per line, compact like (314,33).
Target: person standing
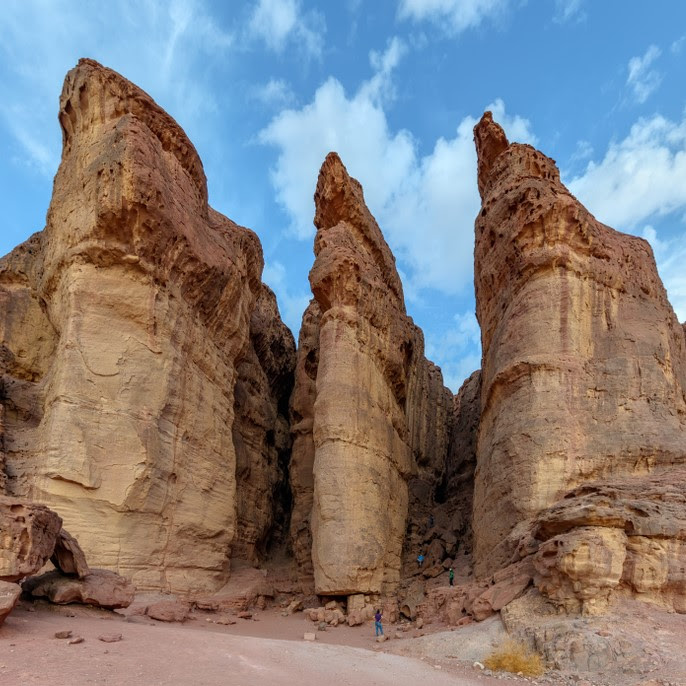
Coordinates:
(451,576)
(378,627)
(420,559)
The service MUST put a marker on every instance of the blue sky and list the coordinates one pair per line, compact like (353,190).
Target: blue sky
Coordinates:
(265,88)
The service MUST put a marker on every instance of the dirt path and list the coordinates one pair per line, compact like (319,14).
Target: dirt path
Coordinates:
(200,654)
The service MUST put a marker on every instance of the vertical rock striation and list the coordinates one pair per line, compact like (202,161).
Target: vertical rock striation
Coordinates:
(261,431)
(378,409)
(126,325)
(301,470)
(584,361)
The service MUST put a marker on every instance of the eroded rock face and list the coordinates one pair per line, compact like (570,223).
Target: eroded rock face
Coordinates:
(584,361)
(124,324)
(28,532)
(379,410)
(628,535)
(261,433)
(301,470)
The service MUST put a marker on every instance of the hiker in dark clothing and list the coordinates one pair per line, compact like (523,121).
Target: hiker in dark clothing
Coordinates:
(451,576)
(377,623)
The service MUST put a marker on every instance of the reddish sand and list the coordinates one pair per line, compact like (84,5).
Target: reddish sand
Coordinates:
(266,651)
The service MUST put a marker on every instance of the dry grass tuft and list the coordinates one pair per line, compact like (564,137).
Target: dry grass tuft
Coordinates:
(516,658)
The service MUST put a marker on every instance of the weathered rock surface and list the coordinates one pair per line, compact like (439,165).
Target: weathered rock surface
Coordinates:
(9,595)
(68,556)
(99,587)
(168,611)
(301,469)
(261,433)
(126,325)
(584,361)
(626,536)
(379,411)
(28,532)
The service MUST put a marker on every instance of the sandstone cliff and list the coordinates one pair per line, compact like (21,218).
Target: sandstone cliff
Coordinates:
(370,412)
(584,361)
(126,324)
(301,468)
(261,432)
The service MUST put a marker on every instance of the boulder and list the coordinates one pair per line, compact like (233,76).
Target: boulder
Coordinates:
(99,587)
(28,532)
(68,556)
(9,595)
(168,611)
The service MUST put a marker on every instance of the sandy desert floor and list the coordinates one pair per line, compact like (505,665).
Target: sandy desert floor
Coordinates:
(266,650)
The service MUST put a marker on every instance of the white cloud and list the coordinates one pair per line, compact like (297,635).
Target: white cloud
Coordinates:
(43,39)
(677,45)
(292,303)
(639,177)
(274,93)
(568,10)
(456,350)
(583,151)
(425,205)
(278,22)
(454,16)
(670,255)
(641,78)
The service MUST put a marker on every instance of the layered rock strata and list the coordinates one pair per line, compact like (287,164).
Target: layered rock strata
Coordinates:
(584,361)
(126,326)
(378,409)
(625,536)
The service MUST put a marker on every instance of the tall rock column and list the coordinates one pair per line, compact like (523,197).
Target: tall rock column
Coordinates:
(584,361)
(380,409)
(125,321)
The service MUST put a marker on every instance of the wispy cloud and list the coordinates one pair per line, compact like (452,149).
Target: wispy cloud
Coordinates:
(639,177)
(677,46)
(641,78)
(292,302)
(457,349)
(41,40)
(274,93)
(670,255)
(454,16)
(282,22)
(569,11)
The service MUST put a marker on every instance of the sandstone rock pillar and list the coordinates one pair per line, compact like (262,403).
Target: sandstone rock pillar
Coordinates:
(584,361)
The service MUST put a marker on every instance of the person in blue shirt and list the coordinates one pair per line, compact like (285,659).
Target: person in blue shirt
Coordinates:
(420,559)
(377,623)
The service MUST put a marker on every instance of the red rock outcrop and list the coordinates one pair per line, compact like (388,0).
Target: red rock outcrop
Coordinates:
(584,361)
(28,532)
(380,414)
(126,325)
(627,535)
